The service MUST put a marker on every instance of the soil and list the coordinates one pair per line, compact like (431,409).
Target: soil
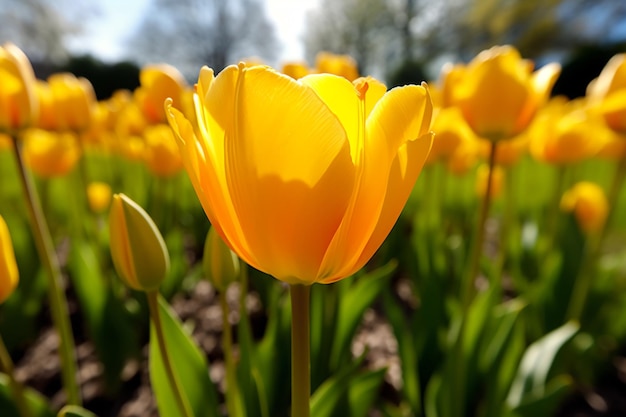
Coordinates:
(38,367)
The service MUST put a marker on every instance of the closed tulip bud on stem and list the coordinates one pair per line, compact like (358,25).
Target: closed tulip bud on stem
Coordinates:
(137,247)
(221,265)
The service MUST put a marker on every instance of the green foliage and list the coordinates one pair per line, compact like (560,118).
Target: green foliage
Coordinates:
(36,403)
(190,367)
(74,411)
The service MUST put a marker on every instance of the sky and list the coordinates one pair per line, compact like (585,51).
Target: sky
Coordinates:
(104,37)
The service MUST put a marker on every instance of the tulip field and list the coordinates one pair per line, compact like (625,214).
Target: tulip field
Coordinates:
(304,241)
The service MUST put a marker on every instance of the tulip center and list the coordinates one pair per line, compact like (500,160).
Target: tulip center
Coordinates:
(361,87)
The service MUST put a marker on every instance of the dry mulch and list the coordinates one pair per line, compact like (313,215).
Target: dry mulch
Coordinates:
(38,367)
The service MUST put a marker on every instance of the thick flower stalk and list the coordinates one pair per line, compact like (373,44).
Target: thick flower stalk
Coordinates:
(303,179)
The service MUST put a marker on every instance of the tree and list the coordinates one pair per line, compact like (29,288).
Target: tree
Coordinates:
(41,28)
(367,30)
(535,27)
(192,33)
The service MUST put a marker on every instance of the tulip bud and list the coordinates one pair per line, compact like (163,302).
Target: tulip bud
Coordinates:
(9,275)
(137,247)
(588,203)
(221,265)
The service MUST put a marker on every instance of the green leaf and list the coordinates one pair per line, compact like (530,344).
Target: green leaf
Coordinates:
(190,367)
(272,355)
(36,402)
(353,304)
(74,411)
(363,391)
(323,322)
(536,365)
(407,351)
(546,403)
(108,324)
(174,241)
(326,397)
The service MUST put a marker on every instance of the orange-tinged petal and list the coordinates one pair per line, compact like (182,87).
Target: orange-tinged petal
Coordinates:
(18,99)
(398,118)
(9,274)
(487,110)
(290,177)
(405,169)
(159,82)
(207,178)
(340,96)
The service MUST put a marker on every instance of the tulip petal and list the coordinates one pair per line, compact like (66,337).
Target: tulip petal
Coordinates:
(405,169)
(290,177)
(341,98)
(401,116)
(9,274)
(208,179)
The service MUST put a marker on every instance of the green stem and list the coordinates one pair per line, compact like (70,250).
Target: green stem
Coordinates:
(477,244)
(613,195)
(233,403)
(586,275)
(17,390)
(555,211)
(508,220)
(459,359)
(58,302)
(181,402)
(300,351)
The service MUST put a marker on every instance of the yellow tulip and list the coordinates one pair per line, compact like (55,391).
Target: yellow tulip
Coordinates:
(303,179)
(221,265)
(138,250)
(451,76)
(74,101)
(296,69)
(589,204)
(99,196)
(9,274)
(498,92)
(161,151)
(50,154)
(454,143)
(613,149)
(18,100)
(608,92)
(342,65)
(158,82)
(565,133)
